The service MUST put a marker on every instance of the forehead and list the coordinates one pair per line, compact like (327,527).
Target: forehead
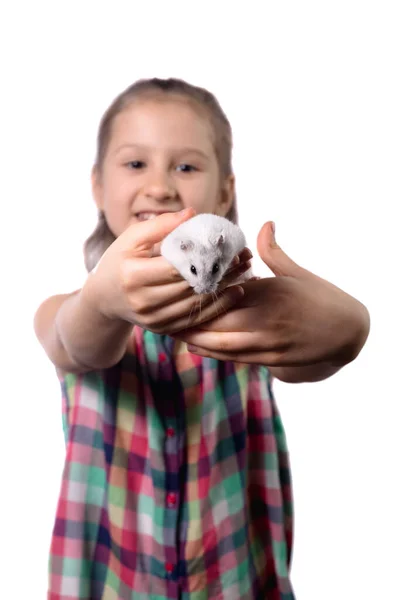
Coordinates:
(164,123)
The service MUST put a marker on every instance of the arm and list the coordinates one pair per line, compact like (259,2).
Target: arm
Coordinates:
(89,329)
(302,330)
(76,337)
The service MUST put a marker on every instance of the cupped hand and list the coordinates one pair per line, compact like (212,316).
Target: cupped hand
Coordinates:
(131,284)
(293,319)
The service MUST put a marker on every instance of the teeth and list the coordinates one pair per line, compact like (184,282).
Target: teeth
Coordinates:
(146,216)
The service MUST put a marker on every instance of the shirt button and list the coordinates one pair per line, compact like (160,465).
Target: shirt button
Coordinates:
(171,499)
(162,357)
(169,567)
(170,432)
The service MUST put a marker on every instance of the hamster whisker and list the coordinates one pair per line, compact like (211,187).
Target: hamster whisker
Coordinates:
(190,315)
(215,301)
(224,310)
(194,308)
(200,306)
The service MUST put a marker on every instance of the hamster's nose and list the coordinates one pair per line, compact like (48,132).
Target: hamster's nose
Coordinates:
(205,289)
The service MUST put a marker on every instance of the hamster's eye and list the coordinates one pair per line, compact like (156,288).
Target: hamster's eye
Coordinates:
(193,269)
(215,268)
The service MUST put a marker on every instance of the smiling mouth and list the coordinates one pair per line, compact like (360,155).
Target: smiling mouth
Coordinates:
(148,215)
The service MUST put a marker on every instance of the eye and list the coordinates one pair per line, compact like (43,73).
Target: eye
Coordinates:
(184,168)
(193,269)
(135,164)
(215,268)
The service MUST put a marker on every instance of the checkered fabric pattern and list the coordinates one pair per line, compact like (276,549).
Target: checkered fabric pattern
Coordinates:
(176,482)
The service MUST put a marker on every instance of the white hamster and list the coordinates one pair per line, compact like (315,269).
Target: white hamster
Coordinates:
(202,248)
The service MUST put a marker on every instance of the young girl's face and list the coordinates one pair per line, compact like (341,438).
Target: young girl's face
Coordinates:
(161,158)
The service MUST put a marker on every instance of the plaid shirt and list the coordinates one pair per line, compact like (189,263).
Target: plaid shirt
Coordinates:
(176,482)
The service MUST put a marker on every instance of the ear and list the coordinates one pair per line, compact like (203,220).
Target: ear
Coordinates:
(97,188)
(226,196)
(186,245)
(219,240)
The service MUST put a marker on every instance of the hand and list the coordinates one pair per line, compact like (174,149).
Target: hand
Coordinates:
(133,285)
(293,319)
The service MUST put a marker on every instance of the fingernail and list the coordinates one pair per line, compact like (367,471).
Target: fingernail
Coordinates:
(185,211)
(236,260)
(192,349)
(273,228)
(247,254)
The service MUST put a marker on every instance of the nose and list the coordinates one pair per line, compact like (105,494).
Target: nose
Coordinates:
(159,186)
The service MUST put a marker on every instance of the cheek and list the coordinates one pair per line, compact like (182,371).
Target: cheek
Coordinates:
(117,203)
(118,188)
(190,278)
(202,195)
(222,271)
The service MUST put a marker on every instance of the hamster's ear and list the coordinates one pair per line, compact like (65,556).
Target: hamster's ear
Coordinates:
(186,245)
(218,240)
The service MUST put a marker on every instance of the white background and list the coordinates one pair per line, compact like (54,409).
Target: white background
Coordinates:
(312,92)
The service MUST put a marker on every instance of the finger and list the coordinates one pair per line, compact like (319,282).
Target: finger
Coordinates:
(158,271)
(193,318)
(227,321)
(172,299)
(244,256)
(230,341)
(259,358)
(231,275)
(273,255)
(152,231)
(152,271)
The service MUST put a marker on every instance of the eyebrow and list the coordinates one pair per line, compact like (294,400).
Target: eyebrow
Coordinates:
(186,149)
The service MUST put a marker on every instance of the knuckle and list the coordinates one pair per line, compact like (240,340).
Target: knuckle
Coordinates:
(147,321)
(223,346)
(124,275)
(139,306)
(156,328)
(280,356)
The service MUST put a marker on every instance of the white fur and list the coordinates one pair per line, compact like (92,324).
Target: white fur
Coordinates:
(203,241)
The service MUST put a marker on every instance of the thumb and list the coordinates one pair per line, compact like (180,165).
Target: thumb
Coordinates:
(273,255)
(148,233)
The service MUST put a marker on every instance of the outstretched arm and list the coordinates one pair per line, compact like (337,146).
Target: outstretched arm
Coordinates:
(301,326)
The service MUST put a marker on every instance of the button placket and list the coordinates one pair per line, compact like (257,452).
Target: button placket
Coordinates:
(168,389)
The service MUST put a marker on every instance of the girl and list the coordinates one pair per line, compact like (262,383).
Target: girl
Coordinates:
(176,481)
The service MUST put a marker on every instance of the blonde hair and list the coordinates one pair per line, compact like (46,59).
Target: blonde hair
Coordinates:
(102,237)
